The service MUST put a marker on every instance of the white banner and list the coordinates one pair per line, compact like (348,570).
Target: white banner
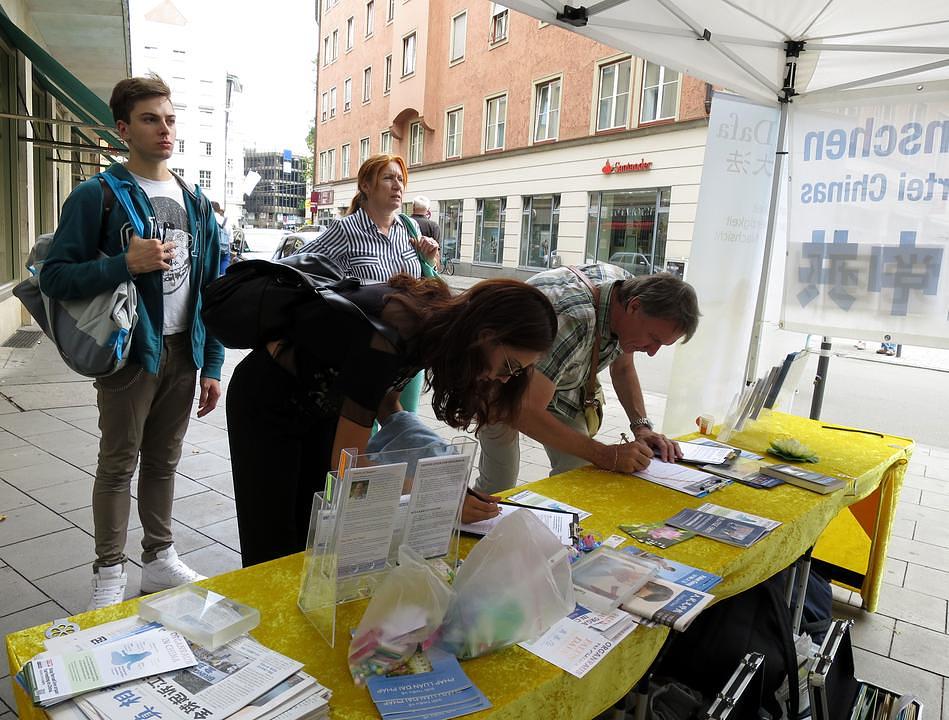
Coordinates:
(725,263)
(868,222)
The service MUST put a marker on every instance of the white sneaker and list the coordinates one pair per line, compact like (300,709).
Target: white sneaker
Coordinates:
(108,586)
(166,571)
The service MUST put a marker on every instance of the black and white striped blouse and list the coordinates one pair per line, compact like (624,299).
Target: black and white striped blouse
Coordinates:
(360,249)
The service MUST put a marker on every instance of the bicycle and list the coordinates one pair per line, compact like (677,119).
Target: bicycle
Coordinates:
(448,265)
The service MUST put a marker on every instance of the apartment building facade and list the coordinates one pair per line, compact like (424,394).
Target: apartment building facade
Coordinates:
(278,199)
(540,147)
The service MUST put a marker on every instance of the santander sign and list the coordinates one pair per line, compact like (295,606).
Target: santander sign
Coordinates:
(619,167)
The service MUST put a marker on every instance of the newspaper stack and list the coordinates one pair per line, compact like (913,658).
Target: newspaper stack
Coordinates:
(241,679)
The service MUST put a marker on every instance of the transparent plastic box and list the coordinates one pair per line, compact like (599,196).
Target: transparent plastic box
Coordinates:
(203,616)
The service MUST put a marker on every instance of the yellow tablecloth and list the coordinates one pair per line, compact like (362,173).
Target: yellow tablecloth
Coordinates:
(518,684)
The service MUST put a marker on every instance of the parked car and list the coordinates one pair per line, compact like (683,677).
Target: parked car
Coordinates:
(633,262)
(291,242)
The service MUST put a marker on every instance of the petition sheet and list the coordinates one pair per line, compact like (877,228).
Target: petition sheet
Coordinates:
(368,518)
(436,494)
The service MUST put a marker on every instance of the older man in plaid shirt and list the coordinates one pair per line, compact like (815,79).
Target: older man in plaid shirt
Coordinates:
(634,315)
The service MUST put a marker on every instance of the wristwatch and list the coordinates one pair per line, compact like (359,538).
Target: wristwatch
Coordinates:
(640,422)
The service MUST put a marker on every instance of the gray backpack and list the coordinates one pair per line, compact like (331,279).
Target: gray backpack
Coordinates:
(92,334)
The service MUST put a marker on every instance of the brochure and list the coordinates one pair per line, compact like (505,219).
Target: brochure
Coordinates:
(746,454)
(561,523)
(604,578)
(436,496)
(368,518)
(53,677)
(678,572)
(716,527)
(807,479)
(681,477)
(700,453)
(746,471)
(658,533)
(767,523)
(527,497)
(667,603)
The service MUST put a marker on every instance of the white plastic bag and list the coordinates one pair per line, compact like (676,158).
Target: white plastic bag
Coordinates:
(514,584)
(405,611)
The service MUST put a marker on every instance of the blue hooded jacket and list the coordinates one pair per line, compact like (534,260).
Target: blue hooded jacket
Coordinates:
(74,269)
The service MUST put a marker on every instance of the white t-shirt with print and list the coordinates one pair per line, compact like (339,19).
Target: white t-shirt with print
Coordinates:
(167,199)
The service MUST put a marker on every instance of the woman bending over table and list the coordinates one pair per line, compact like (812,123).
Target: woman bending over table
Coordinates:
(293,405)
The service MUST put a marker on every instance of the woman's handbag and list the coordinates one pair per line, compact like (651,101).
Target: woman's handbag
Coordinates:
(593,398)
(413,230)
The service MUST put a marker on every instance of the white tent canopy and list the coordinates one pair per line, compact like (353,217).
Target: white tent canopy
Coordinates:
(743,45)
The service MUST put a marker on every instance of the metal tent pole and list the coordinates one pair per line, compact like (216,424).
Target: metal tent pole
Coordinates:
(820,379)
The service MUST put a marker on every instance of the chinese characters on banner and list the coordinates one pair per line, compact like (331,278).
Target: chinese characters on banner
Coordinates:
(868,221)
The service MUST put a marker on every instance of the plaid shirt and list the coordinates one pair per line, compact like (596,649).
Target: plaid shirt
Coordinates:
(568,363)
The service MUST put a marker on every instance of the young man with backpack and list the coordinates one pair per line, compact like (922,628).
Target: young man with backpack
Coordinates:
(163,235)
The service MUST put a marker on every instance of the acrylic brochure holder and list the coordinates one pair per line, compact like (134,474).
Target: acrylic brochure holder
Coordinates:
(373,504)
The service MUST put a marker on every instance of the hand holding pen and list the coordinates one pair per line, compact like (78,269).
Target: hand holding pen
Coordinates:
(626,457)
(479,506)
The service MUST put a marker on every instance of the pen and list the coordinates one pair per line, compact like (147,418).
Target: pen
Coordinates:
(622,436)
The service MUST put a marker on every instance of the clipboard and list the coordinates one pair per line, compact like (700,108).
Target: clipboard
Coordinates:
(574,517)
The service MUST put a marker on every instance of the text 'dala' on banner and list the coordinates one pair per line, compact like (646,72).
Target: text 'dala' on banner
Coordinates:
(868,222)
(725,262)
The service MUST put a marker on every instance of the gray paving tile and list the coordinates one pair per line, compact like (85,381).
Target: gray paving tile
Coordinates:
(82,518)
(11,498)
(89,425)
(37,615)
(932,533)
(213,560)
(33,422)
(9,440)
(894,572)
(934,500)
(52,390)
(66,496)
(923,648)
(71,414)
(912,606)
(186,540)
(927,580)
(224,532)
(16,592)
(910,495)
(921,553)
(7,698)
(57,552)
(904,528)
(898,677)
(945,700)
(73,437)
(871,631)
(223,483)
(52,471)
(926,483)
(79,455)
(72,589)
(203,465)
(203,509)
(200,433)
(21,457)
(218,447)
(29,522)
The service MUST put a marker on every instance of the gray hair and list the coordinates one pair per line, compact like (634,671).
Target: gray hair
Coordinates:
(663,295)
(420,202)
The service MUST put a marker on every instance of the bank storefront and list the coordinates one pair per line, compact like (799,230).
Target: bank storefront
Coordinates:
(629,201)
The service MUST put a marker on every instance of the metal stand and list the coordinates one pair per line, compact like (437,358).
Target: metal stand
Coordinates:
(820,380)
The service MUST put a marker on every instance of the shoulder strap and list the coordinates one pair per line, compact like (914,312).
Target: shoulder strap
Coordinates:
(595,292)
(108,201)
(410,226)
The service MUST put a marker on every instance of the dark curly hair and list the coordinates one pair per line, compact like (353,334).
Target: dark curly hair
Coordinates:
(451,338)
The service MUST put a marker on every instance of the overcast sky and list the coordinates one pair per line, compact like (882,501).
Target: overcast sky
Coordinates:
(270,46)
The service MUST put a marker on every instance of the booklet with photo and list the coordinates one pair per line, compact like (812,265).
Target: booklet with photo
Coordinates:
(678,572)
(716,527)
(807,479)
(528,497)
(746,471)
(604,578)
(657,533)
(767,523)
(667,603)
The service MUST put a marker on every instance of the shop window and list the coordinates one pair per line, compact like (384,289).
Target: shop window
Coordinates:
(540,218)
(628,228)
(449,220)
(489,231)
(613,103)
(660,93)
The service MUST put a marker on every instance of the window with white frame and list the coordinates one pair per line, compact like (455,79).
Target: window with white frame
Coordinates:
(453,130)
(350,33)
(489,230)
(408,54)
(387,75)
(334,45)
(390,11)
(363,150)
(323,166)
(370,17)
(547,110)
(326,50)
(180,172)
(204,178)
(229,188)
(660,93)
(613,104)
(331,164)
(347,94)
(416,139)
(385,142)
(495,117)
(332,102)
(459,32)
(499,21)
(181,145)
(366,84)
(344,161)
(324,106)
(206,147)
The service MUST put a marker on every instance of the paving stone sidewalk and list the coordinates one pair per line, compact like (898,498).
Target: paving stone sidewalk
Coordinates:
(48,450)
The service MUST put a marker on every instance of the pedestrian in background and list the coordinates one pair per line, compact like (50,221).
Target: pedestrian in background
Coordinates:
(224,235)
(372,241)
(422,215)
(144,407)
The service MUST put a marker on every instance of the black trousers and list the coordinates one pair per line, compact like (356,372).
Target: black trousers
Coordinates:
(280,454)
